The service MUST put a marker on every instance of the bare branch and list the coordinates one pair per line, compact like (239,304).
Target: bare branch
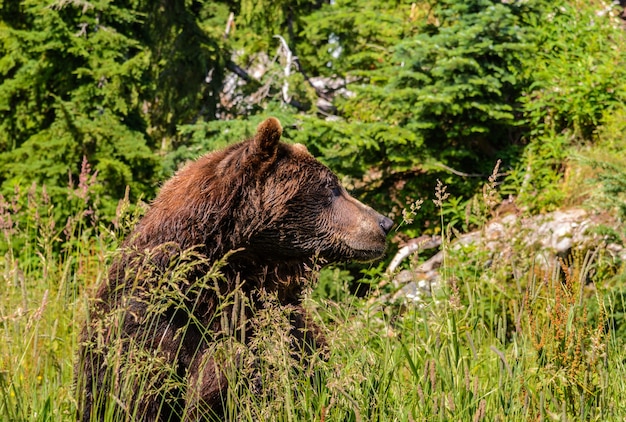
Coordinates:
(230,24)
(288,61)
(412,246)
(230,65)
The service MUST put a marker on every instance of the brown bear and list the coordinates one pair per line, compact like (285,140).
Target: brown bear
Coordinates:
(269,214)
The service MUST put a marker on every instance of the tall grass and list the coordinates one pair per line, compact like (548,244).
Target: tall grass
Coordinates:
(535,343)
(45,271)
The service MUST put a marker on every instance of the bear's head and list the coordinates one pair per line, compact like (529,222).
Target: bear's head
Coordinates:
(305,210)
(268,198)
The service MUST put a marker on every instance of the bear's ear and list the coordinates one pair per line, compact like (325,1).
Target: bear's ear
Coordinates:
(267,136)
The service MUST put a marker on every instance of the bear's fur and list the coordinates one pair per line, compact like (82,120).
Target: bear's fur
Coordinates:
(269,213)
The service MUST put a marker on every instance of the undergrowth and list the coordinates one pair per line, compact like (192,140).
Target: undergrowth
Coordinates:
(535,343)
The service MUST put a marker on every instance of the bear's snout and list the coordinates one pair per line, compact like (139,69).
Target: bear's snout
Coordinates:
(385,223)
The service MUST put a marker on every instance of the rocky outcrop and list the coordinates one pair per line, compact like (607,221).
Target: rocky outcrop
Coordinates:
(510,239)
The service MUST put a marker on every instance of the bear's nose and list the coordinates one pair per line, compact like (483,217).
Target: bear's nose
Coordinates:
(386,224)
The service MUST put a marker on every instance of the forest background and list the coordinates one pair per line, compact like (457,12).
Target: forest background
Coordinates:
(100,101)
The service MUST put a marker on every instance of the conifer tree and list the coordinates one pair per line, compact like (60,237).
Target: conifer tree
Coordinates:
(104,81)
(434,89)
(71,88)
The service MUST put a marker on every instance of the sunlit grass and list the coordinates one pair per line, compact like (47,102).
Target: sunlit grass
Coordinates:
(540,346)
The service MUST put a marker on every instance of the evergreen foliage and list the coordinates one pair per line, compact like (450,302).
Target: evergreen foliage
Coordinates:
(103,82)
(435,93)
(392,94)
(261,21)
(347,37)
(575,86)
(186,65)
(577,68)
(72,89)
